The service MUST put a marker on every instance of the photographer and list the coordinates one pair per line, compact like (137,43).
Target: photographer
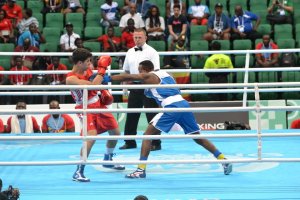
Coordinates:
(280,12)
(9,194)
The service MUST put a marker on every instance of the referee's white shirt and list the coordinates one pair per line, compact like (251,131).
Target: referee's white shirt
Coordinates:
(133,58)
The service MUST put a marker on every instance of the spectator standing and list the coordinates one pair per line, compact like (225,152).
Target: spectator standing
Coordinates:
(218,26)
(27,60)
(155,24)
(137,98)
(280,12)
(218,61)
(6,29)
(198,13)
(22,123)
(109,12)
(138,21)
(242,26)
(177,25)
(13,11)
(67,40)
(28,19)
(57,123)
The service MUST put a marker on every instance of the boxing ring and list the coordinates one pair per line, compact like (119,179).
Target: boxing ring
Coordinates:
(265,162)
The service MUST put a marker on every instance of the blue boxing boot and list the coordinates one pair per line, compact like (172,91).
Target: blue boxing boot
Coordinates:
(108,157)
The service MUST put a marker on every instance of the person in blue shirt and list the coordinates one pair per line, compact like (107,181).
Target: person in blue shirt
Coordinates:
(33,34)
(166,98)
(241,24)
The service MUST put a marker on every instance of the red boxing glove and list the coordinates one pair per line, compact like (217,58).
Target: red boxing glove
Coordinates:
(106,98)
(103,63)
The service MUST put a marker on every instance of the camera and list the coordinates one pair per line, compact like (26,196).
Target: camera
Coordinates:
(12,193)
(236,126)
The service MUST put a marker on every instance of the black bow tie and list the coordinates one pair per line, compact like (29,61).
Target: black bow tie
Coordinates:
(138,49)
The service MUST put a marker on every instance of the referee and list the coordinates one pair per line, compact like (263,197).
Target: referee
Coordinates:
(140,52)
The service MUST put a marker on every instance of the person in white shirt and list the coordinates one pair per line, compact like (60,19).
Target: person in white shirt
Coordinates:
(108,13)
(23,25)
(137,98)
(67,40)
(138,21)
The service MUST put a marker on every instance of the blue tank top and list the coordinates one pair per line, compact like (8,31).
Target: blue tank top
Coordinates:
(164,96)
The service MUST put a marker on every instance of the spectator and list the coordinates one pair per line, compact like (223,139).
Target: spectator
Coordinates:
(3,81)
(266,59)
(280,12)
(143,6)
(73,6)
(19,79)
(36,38)
(218,61)
(138,21)
(295,124)
(23,25)
(67,40)
(52,6)
(218,26)
(57,79)
(22,123)
(27,60)
(2,77)
(13,11)
(177,25)
(241,24)
(2,128)
(198,14)
(178,61)
(155,24)
(6,29)
(57,123)
(170,6)
(108,12)
(127,35)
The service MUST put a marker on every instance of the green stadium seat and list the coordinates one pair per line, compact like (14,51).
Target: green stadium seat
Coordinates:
(197,32)
(51,34)
(199,78)
(242,44)
(55,20)
(21,3)
(92,19)
(94,6)
(199,45)
(266,77)
(158,45)
(283,31)
(258,5)
(263,16)
(7,47)
(40,18)
(66,61)
(49,47)
(286,43)
(93,46)
(92,32)
(197,62)
(264,29)
(225,44)
(240,61)
(5,62)
(75,18)
(35,6)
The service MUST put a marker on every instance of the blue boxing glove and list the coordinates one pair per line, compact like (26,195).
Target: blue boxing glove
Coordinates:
(106,79)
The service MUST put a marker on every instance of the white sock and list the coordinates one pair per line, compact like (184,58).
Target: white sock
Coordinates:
(110,150)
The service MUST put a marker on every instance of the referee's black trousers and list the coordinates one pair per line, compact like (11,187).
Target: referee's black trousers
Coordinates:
(137,99)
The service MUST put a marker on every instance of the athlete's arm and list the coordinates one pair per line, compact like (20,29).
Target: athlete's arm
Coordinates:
(74,80)
(147,78)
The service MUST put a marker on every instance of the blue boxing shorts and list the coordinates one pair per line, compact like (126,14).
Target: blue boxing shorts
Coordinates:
(165,121)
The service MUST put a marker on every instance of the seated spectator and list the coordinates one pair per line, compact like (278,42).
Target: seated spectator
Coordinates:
(170,6)
(6,29)
(2,129)
(109,13)
(57,79)
(177,26)
(23,25)
(52,6)
(143,6)
(138,21)
(218,26)
(218,61)
(295,124)
(19,79)
(2,77)
(27,60)
(177,61)
(241,24)
(266,59)
(280,12)
(73,6)
(127,35)
(22,123)
(110,42)
(36,38)
(198,14)
(13,11)
(67,40)
(57,123)
(155,24)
